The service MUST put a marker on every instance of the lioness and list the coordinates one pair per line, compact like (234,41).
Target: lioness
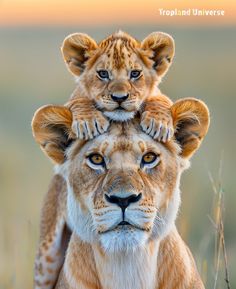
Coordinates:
(119,196)
(118,78)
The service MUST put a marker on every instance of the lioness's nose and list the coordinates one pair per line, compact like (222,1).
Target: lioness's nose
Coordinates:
(117,97)
(123,203)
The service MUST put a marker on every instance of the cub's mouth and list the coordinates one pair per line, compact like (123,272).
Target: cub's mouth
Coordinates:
(120,114)
(120,108)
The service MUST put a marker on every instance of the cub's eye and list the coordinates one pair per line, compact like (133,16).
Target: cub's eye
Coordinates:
(135,74)
(103,74)
(96,159)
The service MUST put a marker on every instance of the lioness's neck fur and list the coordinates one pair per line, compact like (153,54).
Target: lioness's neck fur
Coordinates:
(160,265)
(128,270)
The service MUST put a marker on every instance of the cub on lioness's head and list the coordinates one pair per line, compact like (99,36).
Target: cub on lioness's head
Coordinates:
(117,78)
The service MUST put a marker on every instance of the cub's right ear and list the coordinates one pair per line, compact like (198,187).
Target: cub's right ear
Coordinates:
(162,48)
(51,126)
(76,50)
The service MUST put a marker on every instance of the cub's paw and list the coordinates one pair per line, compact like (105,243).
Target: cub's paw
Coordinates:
(89,127)
(159,126)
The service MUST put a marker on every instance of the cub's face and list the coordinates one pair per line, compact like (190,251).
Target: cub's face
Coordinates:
(119,81)
(119,72)
(122,188)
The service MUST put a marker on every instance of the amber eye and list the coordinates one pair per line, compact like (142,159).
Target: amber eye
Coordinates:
(135,74)
(149,158)
(103,74)
(96,159)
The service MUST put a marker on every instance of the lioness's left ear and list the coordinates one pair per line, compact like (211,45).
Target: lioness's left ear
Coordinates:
(162,49)
(191,121)
(51,126)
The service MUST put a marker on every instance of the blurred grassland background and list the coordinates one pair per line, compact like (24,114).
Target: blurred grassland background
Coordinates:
(32,73)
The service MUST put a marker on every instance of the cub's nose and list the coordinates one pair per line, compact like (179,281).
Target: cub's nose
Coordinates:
(117,97)
(123,203)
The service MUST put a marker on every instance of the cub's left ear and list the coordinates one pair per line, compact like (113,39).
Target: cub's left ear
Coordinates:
(162,48)
(191,121)
(76,49)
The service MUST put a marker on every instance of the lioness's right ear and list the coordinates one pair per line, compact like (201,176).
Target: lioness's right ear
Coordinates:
(191,121)
(51,126)
(76,50)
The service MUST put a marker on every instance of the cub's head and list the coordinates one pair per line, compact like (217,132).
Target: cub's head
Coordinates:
(123,187)
(119,72)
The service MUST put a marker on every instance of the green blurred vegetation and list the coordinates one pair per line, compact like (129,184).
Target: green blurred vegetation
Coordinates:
(32,73)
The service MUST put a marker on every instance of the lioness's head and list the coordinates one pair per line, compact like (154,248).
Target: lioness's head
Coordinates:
(123,186)
(119,72)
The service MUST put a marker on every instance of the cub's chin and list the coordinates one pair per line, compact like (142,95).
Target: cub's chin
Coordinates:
(119,115)
(123,239)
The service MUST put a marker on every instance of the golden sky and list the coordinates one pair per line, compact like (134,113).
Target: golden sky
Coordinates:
(105,12)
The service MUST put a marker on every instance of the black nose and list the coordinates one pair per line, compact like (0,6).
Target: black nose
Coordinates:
(123,203)
(119,98)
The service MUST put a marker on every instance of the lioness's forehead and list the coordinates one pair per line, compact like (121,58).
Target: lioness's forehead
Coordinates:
(123,137)
(107,145)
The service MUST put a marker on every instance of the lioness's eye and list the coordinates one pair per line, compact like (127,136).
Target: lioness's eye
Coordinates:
(103,74)
(135,74)
(150,160)
(96,159)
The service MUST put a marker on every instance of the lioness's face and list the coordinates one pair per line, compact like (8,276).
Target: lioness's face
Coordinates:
(122,185)
(122,188)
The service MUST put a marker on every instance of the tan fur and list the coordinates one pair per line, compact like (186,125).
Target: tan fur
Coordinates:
(119,54)
(54,235)
(149,254)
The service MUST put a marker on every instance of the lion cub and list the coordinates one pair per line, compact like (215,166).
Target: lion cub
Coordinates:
(118,78)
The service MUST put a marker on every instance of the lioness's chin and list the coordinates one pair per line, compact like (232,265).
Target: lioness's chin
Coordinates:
(120,115)
(124,239)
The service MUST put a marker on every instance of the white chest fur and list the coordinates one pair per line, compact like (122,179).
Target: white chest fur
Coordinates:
(128,270)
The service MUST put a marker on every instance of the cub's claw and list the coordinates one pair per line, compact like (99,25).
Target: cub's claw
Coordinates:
(157,127)
(89,128)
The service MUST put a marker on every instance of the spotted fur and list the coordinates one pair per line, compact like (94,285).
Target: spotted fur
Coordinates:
(146,254)
(92,103)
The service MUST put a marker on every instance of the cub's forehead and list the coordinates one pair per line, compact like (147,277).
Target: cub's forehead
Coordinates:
(119,39)
(118,61)
(118,51)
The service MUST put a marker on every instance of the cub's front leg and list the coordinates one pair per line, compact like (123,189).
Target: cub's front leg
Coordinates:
(88,121)
(156,118)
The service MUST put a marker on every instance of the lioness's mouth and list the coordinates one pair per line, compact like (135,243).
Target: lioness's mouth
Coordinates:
(123,223)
